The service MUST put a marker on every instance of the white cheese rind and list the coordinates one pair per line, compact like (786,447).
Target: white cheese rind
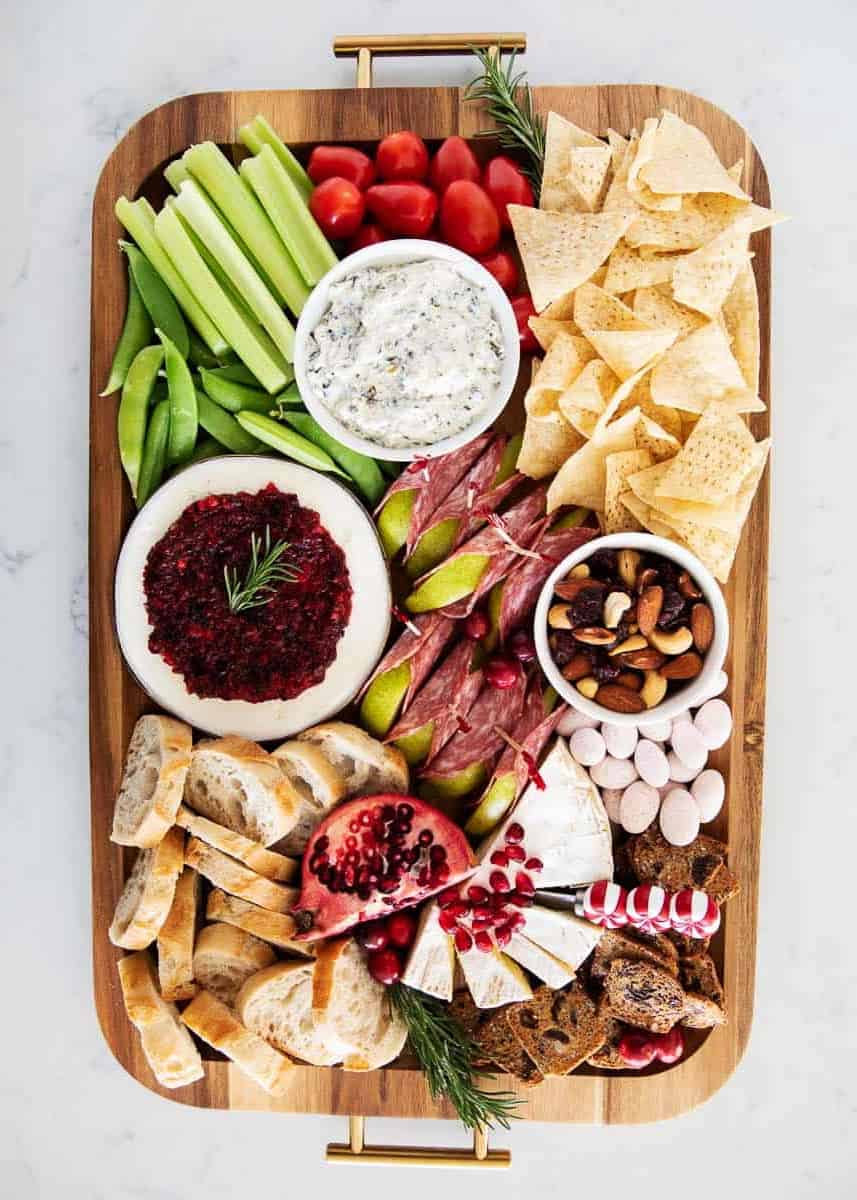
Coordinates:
(539,962)
(493,979)
(562,934)
(431,963)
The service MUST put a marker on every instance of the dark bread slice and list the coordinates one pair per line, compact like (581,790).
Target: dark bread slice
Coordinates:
(489,1030)
(608,1058)
(723,885)
(705,999)
(654,860)
(644,995)
(463,1010)
(700,1012)
(688,947)
(632,944)
(558,1030)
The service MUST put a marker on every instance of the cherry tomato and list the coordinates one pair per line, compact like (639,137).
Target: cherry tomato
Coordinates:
(338,206)
(454,160)
(523,308)
(468,219)
(366,235)
(402,156)
(504,269)
(506,183)
(404,208)
(344,162)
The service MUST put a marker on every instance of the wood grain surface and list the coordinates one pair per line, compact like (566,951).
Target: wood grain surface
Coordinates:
(303,117)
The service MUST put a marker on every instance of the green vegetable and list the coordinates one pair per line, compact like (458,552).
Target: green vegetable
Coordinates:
(289,215)
(364,471)
(391,469)
(509,103)
(258,133)
(287,442)
(394,520)
(205,448)
(134,409)
(136,333)
(235,397)
(223,426)
(157,297)
(139,219)
(176,173)
(154,452)
(184,421)
(380,706)
(237,372)
(252,346)
(199,354)
(258,585)
(452,581)
(235,200)
(287,402)
(216,269)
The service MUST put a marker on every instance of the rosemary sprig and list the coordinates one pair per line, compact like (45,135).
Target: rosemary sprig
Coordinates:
(446,1055)
(510,104)
(258,586)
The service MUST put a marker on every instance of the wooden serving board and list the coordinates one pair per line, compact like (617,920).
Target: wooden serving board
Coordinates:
(355,116)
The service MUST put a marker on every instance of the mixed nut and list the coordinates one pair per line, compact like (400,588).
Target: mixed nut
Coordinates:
(627,628)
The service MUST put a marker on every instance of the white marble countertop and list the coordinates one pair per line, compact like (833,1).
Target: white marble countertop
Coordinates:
(75,75)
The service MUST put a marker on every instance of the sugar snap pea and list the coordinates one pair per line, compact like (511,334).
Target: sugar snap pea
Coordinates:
(223,426)
(137,332)
(208,447)
(235,397)
(164,312)
(391,469)
(184,420)
(137,389)
(198,353)
(235,372)
(154,452)
(364,471)
(287,442)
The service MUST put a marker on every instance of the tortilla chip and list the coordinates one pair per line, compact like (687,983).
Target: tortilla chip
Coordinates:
(648,517)
(704,278)
(654,306)
(720,211)
(561,310)
(630,351)
(714,460)
(596,308)
(687,229)
(549,441)
(736,171)
(586,399)
(545,330)
(619,466)
(561,137)
(741,317)
(715,547)
(618,198)
(618,145)
(581,480)
(683,160)
(732,513)
(641,192)
(587,174)
(561,365)
(560,251)
(652,436)
(699,369)
(628,270)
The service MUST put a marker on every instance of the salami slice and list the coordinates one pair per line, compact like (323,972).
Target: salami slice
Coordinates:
(421,650)
(533,744)
(532,714)
(522,587)
(481,743)
(445,700)
(502,563)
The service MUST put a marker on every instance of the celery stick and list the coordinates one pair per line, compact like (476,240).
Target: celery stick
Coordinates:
(258,134)
(216,175)
(194,207)
(289,215)
(214,266)
(245,341)
(176,173)
(139,219)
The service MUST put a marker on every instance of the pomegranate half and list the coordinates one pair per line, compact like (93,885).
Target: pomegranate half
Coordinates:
(374,855)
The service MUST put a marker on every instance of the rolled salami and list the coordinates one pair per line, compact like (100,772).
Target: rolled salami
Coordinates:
(440,708)
(519,591)
(403,670)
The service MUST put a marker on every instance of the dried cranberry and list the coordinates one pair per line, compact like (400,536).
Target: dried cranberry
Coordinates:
(605,669)
(564,647)
(602,564)
(587,608)
(672,608)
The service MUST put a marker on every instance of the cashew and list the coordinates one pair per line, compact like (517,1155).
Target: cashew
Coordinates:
(581,571)
(615,605)
(587,687)
(654,689)
(675,642)
(628,562)
(635,642)
(558,617)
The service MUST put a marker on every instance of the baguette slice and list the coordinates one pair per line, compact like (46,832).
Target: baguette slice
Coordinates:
(277,1004)
(220,1028)
(167,1045)
(153,779)
(351,1007)
(252,854)
(237,879)
(237,783)
(367,766)
(176,938)
(225,957)
(316,781)
(277,928)
(148,893)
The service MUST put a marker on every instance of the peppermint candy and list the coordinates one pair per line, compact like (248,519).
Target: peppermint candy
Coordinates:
(648,908)
(603,904)
(694,913)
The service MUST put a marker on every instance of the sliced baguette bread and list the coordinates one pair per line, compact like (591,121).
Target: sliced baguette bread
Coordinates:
(366,765)
(224,957)
(235,878)
(318,785)
(252,854)
(148,893)
(152,781)
(167,1045)
(212,1021)
(236,783)
(277,928)
(176,939)
(277,1004)
(350,1007)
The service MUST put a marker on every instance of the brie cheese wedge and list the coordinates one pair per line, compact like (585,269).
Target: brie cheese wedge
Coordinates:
(431,963)
(550,970)
(493,979)
(561,934)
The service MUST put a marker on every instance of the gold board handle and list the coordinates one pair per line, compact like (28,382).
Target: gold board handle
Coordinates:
(355,1151)
(364,46)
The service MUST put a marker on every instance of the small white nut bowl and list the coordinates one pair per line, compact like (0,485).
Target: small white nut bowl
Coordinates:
(406,250)
(676,702)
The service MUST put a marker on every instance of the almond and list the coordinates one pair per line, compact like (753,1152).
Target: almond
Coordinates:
(686,666)
(649,608)
(646,578)
(688,587)
(576,668)
(702,626)
(629,679)
(594,635)
(570,589)
(619,699)
(643,660)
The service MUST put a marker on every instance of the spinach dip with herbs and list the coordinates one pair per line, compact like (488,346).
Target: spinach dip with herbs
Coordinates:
(406,354)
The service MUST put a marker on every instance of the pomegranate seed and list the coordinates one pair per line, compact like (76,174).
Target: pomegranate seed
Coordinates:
(351,842)
(405,812)
(385,966)
(524,884)
(424,877)
(426,837)
(501,672)
(373,936)
(448,897)
(367,839)
(352,858)
(483,922)
(515,853)
(349,876)
(534,864)
(500,858)
(517,920)
(515,832)
(364,891)
(483,942)
(322,844)
(387,885)
(437,854)
(476,625)
(365,818)
(388,813)
(447,920)
(481,912)
(497,901)
(401,928)
(402,827)
(414,855)
(463,940)
(499,882)
(504,934)
(458,908)
(441,873)
(477,894)
(522,646)
(520,900)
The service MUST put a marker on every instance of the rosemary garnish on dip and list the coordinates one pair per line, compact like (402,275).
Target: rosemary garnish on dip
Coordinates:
(510,103)
(261,575)
(446,1055)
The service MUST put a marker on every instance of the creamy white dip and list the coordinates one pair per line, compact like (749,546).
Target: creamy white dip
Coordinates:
(406,354)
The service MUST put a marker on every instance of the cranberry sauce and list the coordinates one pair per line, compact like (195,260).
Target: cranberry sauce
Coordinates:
(272,652)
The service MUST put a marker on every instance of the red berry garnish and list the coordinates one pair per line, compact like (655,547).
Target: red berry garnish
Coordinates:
(401,928)
(515,832)
(500,858)
(463,940)
(522,646)
(373,936)
(501,672)
(483,941)
(385,966)
(476,625)
(534,864)
(499,882)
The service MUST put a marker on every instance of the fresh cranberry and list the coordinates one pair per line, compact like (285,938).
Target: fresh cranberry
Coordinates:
(669,1047)
(476,625)
(373,936)
(522,646)
(385,966)
(501,672)
(636,1049)
(401,927)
